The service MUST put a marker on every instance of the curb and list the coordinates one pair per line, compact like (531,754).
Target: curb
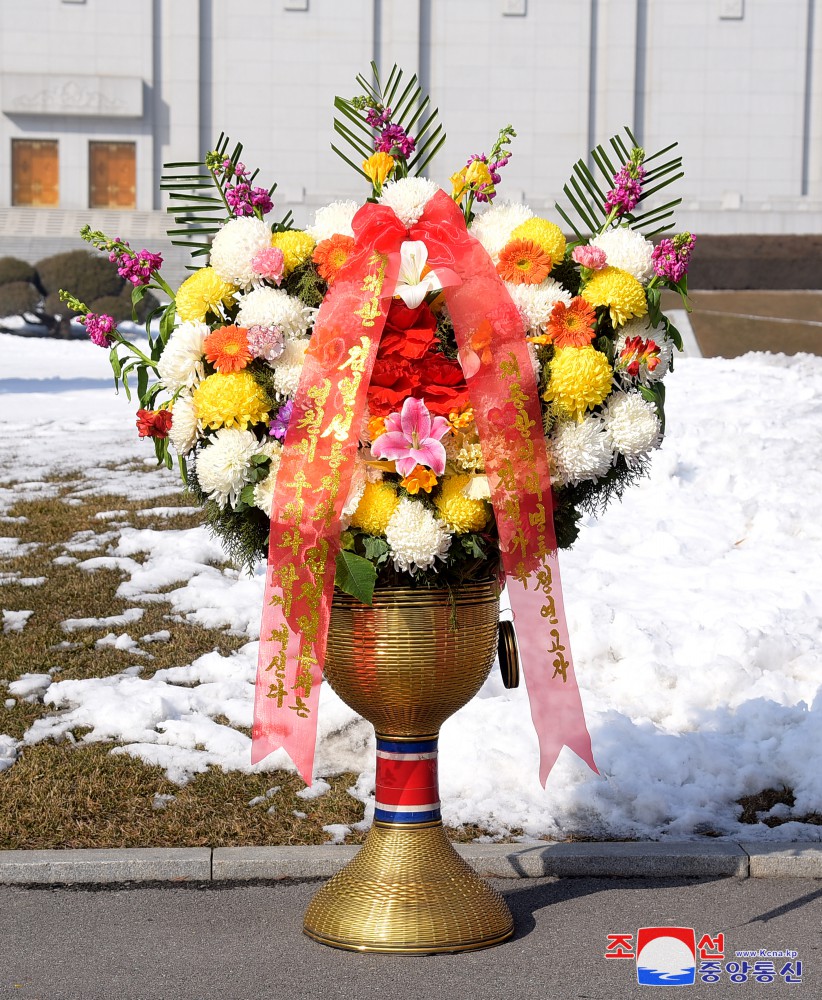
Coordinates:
(647,860)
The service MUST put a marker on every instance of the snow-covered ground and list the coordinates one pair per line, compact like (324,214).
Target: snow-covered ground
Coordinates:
(693,606)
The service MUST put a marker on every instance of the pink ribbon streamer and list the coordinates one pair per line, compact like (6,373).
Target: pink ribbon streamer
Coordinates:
(503,390)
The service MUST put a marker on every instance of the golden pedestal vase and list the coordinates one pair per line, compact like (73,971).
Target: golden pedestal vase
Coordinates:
(406,664)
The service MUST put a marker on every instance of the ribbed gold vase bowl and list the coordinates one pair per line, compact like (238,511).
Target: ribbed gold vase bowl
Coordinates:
(406,664)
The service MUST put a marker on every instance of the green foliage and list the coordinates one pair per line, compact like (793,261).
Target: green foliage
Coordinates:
(243,533)
(409,109)
(305,283)
(587,190)
(13,270)
(88,275)
(355,576)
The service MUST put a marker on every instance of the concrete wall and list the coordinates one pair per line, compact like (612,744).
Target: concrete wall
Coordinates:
(738,82)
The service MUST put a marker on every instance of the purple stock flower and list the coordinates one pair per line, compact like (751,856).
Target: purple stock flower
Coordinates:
(243,199)
(279,425)
(671,257)
(626,192)
(378,119)
(139,268)
(99,327)
(394,137)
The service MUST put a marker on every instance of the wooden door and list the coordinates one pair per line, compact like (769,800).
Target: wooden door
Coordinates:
(35,172)
(112,175)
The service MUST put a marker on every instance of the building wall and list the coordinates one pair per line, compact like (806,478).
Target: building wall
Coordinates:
(738,82)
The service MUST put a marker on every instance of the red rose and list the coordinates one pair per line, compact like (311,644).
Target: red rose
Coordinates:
(393,380)
(408,333)
(441,384)
(153,423)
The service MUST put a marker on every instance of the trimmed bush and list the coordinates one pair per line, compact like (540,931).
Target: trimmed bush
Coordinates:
(13,270)
(86,275)
(18,297)
(119,306)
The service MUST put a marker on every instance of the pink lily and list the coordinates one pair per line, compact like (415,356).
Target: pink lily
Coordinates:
(412,438)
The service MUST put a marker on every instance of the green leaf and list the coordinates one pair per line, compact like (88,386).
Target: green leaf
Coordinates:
(167,321)
(116,366)
(247,494)
(356,576)
(347,541)
(376,548)
(142,383)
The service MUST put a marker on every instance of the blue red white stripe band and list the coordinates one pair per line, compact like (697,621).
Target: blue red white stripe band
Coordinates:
(407,788)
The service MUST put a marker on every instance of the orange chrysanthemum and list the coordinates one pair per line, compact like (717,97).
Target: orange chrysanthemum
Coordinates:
(572,325)
(330,255)
(524,262)
(227,348)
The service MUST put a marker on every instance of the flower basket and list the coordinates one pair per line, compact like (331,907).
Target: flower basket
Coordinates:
(408,404)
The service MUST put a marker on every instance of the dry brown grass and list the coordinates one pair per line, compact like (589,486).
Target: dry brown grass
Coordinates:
(62,795)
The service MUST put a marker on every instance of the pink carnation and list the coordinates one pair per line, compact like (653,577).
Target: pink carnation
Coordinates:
(591,257)
(269,264)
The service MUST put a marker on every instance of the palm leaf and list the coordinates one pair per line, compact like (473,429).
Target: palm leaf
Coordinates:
(409,107)
(197,199)
(586,191)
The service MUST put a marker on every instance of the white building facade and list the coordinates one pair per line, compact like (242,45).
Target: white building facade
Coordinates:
(96,95)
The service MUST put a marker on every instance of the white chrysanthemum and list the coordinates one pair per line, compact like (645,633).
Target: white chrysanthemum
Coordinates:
(581,450)
(289,366)
(275,307)
(264,490)
(223,466)
(477,488)
(234,248)
(408,197)
(632,425)
(181,363)
(493,228)
(334,219)
(185,428)
(415,537)
(641,328)
(535,302)
(628,250)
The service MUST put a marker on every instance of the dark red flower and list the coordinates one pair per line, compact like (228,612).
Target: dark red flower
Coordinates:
(153,423)
(441,384)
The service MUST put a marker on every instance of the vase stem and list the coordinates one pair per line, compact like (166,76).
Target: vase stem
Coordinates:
(407,786)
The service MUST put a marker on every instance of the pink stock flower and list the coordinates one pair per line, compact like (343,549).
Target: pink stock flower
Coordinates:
(590,257)
(412,438)
(99,327)
(269,264)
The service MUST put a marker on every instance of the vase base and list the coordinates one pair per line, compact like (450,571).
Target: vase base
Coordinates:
(408,891)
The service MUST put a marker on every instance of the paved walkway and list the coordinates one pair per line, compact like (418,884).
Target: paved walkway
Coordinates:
(729,323)
(244,942)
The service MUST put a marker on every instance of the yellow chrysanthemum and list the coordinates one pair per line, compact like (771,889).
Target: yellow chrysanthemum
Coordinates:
(375,509)
(231,400)
(580,380)
(458,512)
(545,234)
(297,248)
(620,291)
(202,293)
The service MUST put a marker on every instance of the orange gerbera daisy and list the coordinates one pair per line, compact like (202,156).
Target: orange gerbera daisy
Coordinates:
(330,255)
(572,325)
(227,348)
(524,263)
